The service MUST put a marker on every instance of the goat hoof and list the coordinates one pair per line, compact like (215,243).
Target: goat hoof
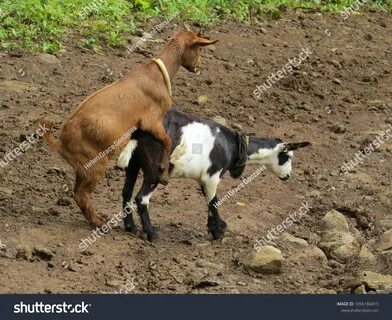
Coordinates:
(131,229)
(218,230)
(164,179)
(152,236)
(96,223)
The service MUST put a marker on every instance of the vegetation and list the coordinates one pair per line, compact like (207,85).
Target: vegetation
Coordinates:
(41,25)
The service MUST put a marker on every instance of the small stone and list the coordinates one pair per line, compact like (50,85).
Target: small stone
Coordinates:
(308,253)
(267,260)
(263,30)
(325,291)
(384,224)
(43,253)
(48,58)
(365,254)
(294,241)
(334,220)
(360,290)
(337,81)
(23,253)
(385,241)
(372,281)
(339,245)
(336,64)
(338,128)
(202,100)
(221,120)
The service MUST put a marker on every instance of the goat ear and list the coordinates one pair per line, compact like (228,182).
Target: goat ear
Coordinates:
(201,42)
(297,145)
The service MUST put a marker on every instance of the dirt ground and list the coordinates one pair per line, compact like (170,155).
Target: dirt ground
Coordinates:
(338,99)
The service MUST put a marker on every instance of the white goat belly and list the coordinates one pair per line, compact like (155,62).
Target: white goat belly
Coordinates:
(191,158)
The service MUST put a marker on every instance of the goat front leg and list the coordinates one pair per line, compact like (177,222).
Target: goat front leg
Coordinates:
(159,132)
(216,226)
(142,201)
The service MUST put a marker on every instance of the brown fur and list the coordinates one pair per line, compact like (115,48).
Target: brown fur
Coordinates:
(138,100)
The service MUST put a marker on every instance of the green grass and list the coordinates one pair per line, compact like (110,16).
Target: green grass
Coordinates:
(42,25)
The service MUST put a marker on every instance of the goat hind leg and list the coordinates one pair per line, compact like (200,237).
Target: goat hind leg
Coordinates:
(84,187)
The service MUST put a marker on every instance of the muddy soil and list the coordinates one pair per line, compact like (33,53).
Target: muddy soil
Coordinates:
(339,99)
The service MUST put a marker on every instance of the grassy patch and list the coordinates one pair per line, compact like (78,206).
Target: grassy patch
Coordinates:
(41,25)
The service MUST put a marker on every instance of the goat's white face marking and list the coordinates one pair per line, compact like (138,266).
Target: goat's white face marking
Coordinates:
(277,160)
(191,158)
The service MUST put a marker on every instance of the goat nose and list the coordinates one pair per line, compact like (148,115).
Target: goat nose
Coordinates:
(285,178)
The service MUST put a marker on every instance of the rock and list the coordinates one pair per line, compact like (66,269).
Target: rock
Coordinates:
(339,245)
(202,100)
(325,291)
(336,64)
(372,281)
(384,224)
(220,120)
(360,290)
(263,30)
(334,220)
(337,81)
(48,58)
(237,126)
(23,253)
(267,260)
(43,253)
(312,252)
(293,241)
(18,86)
(138,43)
(338,128)
(385,241)
(365,254)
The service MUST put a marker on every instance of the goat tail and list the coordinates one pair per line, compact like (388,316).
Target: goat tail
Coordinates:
(46,125)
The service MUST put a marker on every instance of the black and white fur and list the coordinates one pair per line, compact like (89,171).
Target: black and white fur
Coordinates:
(203,150)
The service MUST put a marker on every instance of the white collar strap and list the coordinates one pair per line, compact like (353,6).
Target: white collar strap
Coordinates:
(163,69)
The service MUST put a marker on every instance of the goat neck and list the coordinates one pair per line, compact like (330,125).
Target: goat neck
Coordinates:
(171,56)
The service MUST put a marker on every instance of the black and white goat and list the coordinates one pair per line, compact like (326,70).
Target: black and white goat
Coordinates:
(203,150)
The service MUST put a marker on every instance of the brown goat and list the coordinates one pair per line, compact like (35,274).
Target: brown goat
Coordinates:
(102,123)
